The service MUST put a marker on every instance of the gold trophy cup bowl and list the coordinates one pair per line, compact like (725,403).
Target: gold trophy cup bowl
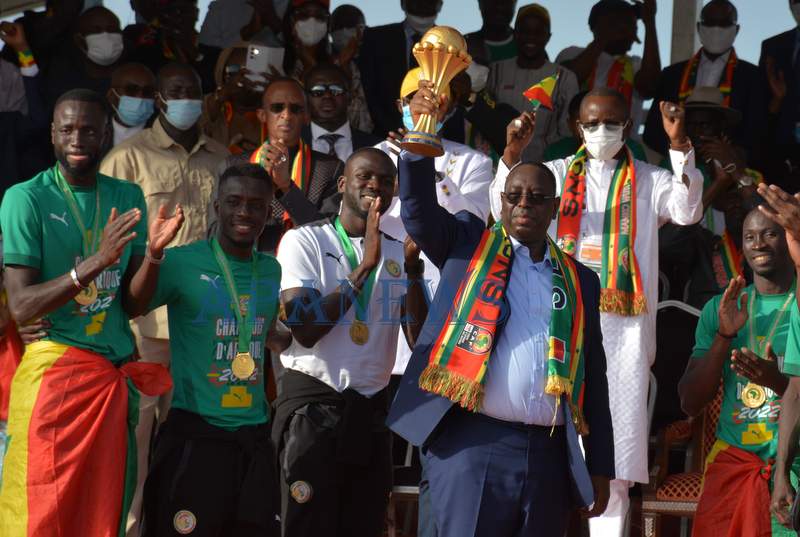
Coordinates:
(441,55)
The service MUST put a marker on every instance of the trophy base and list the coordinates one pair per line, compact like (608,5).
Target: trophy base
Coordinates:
(423,143)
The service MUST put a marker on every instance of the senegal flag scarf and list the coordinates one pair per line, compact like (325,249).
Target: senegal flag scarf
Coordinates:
(622,291)
(460,356)
(689,78)
(70,464)
(301,167)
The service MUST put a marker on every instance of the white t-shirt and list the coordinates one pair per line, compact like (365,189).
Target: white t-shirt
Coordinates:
(312,256)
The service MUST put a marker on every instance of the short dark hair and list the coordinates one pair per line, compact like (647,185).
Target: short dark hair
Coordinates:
(172,68)
(371,151)
(547,171)
(326,68)
(724,3)
(610,7)
(83,95)
(246,169)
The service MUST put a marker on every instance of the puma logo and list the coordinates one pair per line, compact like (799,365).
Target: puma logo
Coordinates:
(337,258)
(62,218)
(212,281)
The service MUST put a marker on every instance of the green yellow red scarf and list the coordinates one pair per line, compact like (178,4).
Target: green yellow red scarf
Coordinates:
(622,290)
(301,167)
(460,356)
(620,77)
(689,78)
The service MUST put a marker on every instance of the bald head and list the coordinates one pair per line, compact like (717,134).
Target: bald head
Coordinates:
(719,13)
(607,101)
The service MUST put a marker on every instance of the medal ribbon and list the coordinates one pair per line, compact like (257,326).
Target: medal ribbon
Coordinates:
(245,324)
(349,252)
(88,244)
(751,321)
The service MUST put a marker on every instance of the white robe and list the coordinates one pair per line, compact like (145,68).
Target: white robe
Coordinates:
(629,342)
(462,185)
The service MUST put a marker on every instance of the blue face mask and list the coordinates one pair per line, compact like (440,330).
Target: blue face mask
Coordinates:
(134,111)
(183,113)
(408,121)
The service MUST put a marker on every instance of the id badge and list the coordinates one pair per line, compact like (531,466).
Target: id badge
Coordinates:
(591,254)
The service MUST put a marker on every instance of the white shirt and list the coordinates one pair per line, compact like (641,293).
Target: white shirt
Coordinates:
(343,145)
(517,372)
(604,63)
(312,256)
(464,177)
(629,341)
(123,132)
(709,72)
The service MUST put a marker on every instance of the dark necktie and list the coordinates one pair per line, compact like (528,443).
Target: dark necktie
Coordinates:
(330,139)
(412,61)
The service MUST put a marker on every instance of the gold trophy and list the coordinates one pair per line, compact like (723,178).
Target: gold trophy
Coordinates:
(441,54)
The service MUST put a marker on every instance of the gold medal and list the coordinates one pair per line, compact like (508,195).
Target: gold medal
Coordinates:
(87,295)
(243,366)
(359,332)
(753,395)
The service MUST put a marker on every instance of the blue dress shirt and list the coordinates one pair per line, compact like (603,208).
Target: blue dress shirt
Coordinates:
(517,372)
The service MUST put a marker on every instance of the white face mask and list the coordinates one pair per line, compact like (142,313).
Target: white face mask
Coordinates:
(478,75)
(341,38)
(717,39)
(104,48)
(796,12)
(604,141)
(310,31)
(420,24)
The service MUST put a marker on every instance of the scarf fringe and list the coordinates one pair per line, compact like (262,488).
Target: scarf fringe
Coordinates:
(466,392)
(622,302)
(558,386)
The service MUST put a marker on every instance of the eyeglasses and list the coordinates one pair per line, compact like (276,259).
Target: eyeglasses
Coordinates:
(277,108)
(318,90)
(514,198)
(613,126)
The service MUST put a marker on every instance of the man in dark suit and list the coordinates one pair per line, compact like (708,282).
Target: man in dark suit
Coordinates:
(304,179)
(386,57)
(715,64)
(328,92)
(479,454)
(780,66)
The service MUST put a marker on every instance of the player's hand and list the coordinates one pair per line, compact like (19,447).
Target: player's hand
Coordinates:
(34,330)
(732,316)
(372,238)
(163,229)
(116,235)
(782,499)
(762,371)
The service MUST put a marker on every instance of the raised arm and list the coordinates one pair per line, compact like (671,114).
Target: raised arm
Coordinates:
(142,275)
(784,209)
(646,79)
(699,384)
(29,299)
(309,314)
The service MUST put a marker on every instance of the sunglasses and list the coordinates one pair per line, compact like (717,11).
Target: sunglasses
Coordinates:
(278,108)
(318,90)
(514,198)
(613,126)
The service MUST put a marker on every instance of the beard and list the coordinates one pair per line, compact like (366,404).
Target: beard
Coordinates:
(80,170)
